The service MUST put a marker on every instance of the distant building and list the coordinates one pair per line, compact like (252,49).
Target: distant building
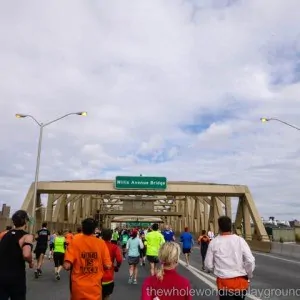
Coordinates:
(273,223)
(294,223)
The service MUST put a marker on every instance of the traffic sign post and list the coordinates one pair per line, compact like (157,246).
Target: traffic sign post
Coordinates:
(140,183)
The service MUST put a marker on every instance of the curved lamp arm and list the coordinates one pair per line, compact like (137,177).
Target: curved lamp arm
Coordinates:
(278,120)
(29,116)
(64,116)
(82,113)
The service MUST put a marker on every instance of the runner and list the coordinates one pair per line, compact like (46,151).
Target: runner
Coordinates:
(211,235)
(59,246)
(230,257)
(154,240)
(116,256)
(187,243)
(203,240)
(2,234)
(79,230)
(69,237)
(168,234)
(133,246)
(167,279)
(15,250)
(42,239)
(115,237)
(124,239)
(87,257)
(143,251)
(51,244)
(78,233)
(98,233)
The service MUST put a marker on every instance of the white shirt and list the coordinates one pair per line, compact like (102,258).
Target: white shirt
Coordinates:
(229,256)
(211,235)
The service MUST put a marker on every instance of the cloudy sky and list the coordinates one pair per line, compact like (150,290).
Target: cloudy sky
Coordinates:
(172,88)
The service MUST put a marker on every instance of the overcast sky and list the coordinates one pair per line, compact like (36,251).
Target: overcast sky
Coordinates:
(172,88)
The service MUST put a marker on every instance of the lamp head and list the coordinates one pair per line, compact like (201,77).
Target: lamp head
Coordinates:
(82,113)
(264,120)
(20,116)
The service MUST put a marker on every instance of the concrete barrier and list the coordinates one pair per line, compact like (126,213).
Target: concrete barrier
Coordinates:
(276,248)
(260,246)
(284,249)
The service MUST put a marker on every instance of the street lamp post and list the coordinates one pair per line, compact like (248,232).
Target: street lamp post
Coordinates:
(37,169)
(278,120)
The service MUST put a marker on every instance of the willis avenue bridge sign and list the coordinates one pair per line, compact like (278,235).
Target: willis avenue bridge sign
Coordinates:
(140,183)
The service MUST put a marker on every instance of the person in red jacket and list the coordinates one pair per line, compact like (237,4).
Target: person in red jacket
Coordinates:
(116,256)
(167,284)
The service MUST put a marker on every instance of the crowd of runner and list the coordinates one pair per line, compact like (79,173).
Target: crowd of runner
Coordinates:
(93,255)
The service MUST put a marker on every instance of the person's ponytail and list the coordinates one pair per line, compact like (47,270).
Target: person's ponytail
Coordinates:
(169,256)
(160,272)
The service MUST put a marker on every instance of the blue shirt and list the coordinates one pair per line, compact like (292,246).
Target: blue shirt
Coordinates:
(168,235)
(133,246)
(187,240)
(52,237)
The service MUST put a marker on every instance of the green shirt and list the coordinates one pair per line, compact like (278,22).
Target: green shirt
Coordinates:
(154,240)
(115,236)
(59,244)
(125,238)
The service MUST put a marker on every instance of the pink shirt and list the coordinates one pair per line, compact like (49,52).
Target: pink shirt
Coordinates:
(172,287)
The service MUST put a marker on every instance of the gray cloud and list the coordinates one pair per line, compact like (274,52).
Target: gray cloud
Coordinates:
(144,71)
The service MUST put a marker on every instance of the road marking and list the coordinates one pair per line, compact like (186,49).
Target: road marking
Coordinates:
(203,273)
(202,276)
(279,258)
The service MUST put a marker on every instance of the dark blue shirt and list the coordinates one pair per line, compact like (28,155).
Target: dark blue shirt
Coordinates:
(43,236)
(168,235)
(187,240)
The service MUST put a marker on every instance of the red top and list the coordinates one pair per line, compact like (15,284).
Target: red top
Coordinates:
(173,286)
(115,255)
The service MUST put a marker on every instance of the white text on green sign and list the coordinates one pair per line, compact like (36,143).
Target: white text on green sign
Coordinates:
(140,182)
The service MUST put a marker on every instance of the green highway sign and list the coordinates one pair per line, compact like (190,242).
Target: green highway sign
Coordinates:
(138,224)
(140,183)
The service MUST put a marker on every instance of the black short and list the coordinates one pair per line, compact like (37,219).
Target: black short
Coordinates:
(14,290)
(186,250)
(133,260)
(152,259)
(124,246)
(142,253)
(51,246)
(107,289)
(39,251)
(203,253)
(58,259)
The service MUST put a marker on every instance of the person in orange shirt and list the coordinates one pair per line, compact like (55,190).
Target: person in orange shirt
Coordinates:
(87,257)
(3,233)
(69,237)
(115,255)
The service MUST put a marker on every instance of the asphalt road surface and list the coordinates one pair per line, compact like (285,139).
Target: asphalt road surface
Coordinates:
(47,288)
(275,278)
